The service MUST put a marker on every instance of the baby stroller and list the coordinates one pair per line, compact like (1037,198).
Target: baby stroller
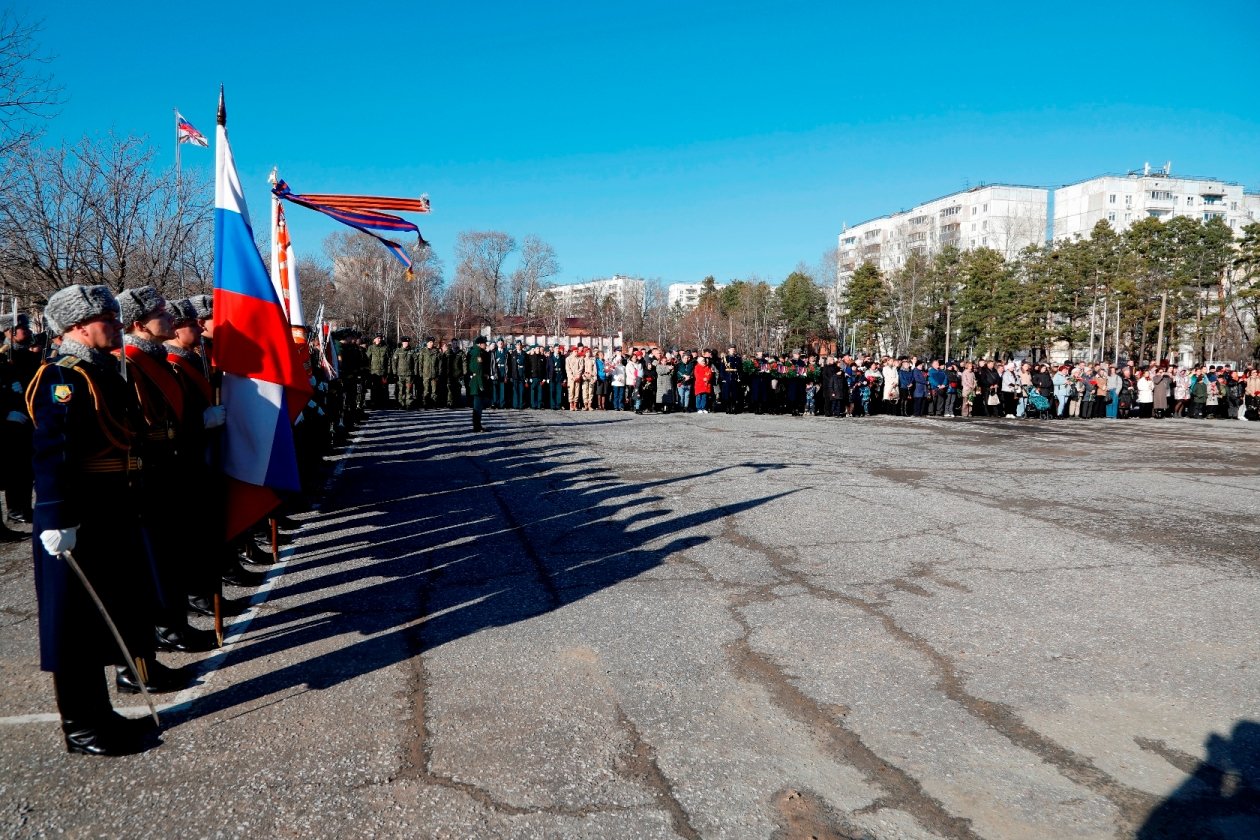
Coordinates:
(1038,405)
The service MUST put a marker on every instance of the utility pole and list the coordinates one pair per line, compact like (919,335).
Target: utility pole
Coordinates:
(1094,309)
(1106,306)
(948,312)
(1117,357)
(1159,341)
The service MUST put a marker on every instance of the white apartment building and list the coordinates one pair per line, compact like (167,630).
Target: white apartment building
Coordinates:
(1004,217)
(626,291)
(687,295)
(1124,199)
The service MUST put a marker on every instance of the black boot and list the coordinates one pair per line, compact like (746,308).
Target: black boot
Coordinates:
(234,575)
(102,740)
(204,605)
(252,553)
(8,535)
(185,639)
(161,678)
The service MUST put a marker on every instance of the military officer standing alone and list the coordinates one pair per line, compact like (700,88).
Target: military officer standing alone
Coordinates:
(478,379)
(87,438)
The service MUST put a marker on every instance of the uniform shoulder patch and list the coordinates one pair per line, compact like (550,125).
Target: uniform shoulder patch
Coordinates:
(62,393)
(67,361)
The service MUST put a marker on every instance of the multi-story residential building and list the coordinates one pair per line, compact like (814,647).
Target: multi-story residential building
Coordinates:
(687,295)
(1122,200)
(627,292)
(1005,217)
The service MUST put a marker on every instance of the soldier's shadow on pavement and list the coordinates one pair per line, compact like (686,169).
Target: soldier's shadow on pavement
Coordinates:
(468,533)
(1221,799)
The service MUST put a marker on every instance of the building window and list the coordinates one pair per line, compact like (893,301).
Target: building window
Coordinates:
(1111,199)
(1161,195)
(984,225)
(1128,201)
(1128,216)
(1111,217)
(985,208)
(984,240)
(975,210)
(1189,201)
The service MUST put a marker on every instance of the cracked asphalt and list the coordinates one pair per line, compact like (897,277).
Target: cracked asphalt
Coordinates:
(608,626)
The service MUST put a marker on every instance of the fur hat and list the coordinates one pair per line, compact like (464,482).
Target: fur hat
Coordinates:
(76,304)
(204,304)
(138,304)
(182,310)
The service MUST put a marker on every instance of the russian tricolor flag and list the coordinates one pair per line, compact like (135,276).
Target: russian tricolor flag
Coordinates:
(264,387)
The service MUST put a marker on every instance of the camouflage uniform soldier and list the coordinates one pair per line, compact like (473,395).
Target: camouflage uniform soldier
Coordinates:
(429,373)
(455,363)
(404,363)
(378,370)
(442,365)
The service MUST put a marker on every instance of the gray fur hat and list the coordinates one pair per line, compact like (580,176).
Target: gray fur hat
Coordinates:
(204,304)
(76,304)
(138,304)
(182,310)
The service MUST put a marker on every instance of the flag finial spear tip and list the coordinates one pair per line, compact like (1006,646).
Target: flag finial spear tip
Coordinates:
(222,108)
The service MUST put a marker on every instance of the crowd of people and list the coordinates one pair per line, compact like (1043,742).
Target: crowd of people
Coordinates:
(654,380)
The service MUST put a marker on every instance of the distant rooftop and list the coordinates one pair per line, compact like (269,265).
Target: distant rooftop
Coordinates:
(981,186)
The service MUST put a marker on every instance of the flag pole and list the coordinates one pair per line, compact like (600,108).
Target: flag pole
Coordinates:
(177,168)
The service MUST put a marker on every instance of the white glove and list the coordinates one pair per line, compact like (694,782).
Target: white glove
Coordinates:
(214,416)
(56,541)
(17,417)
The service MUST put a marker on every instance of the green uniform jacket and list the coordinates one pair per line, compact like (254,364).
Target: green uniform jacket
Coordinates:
(404,362)
(478,370)
(427,363)
(378,359)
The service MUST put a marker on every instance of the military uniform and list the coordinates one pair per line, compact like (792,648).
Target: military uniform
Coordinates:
(19,360)
(479,363)
(404,363)
(378,372)
(456,362)
(428,367)
(166,418)
(88,441)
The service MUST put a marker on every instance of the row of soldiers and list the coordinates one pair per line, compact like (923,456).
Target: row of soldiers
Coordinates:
(424,377)
(123,420)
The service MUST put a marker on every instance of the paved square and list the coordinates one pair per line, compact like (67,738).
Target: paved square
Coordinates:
(600,625)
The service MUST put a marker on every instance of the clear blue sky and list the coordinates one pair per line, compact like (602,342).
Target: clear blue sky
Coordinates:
(669,139)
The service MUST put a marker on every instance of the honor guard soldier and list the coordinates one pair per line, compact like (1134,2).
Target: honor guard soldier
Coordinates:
(88,433)
(196,487)
(148,323)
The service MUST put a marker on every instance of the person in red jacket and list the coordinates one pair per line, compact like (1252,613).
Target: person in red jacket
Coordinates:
(703,374)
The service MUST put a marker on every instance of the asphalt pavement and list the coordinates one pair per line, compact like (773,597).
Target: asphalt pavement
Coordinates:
(600,625)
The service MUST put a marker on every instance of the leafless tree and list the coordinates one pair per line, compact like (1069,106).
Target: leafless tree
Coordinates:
(480,269)
(99,212)
(27,94)
(537,263)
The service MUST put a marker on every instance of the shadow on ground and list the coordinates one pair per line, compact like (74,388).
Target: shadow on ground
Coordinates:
(1221,799)
(433,533)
